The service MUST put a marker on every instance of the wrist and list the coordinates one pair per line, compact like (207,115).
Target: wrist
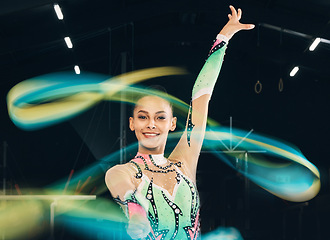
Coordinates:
(222,37)
(226,33)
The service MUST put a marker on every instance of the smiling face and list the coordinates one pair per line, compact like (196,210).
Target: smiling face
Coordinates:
(152,120)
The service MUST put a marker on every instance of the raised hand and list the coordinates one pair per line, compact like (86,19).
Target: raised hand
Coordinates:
(233,25)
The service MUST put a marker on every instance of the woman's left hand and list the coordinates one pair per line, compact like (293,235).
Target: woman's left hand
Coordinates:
(233,25)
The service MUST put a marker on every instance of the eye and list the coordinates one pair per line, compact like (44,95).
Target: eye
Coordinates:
(142,117)
(161,117)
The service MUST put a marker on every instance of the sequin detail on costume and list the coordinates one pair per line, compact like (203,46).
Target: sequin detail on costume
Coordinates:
(190,126)
(125,203)
(139,173)
(154,221)
(171,215)
(177,211)
(164,169)
(208,76)
(193,230)
(216,46)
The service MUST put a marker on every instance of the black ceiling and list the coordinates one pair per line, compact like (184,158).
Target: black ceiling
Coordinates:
(177,33)
(32,37)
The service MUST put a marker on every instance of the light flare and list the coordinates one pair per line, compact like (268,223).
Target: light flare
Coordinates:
(43,101)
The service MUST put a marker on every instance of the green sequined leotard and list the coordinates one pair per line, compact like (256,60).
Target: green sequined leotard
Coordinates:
(171,216)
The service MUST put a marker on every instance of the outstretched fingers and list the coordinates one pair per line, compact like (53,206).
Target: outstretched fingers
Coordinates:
(233,11)
(239,14)
(247,26)
(234,25)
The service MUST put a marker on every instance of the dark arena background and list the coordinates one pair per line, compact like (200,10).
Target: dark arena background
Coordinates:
(254,91)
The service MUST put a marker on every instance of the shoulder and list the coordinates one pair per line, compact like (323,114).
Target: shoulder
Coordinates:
(120,169)
(120,179)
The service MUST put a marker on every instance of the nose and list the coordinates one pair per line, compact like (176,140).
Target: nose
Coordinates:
(151,124)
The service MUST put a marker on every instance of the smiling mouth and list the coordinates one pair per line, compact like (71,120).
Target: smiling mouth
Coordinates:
(150,135)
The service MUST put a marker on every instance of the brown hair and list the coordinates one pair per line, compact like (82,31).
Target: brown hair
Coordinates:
(153,90)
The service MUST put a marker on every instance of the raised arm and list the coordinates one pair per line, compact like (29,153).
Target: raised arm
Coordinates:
(190,144)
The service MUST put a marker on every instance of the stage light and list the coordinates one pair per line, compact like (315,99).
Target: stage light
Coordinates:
(58,11)
(68,42)
(314,44)
(294,71)
(77,69)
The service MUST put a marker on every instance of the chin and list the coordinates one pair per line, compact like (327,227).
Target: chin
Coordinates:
(150,147)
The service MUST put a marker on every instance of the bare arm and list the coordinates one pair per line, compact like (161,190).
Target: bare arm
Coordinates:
(119,182)
(190,144)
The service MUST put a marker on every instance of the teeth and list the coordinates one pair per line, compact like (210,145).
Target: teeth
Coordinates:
(150,134)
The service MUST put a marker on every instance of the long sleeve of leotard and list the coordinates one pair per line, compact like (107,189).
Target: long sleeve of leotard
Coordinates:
(189,146)
(208,76)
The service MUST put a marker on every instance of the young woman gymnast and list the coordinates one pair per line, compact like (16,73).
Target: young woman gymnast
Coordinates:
(158,194)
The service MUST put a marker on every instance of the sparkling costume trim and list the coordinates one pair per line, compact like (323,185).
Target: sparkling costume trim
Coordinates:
(171,216)
(190,126)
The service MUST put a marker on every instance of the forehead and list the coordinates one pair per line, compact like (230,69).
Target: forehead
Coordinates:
(153,104)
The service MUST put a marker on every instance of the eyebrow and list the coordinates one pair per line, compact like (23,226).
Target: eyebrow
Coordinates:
(148,112)
(161,112)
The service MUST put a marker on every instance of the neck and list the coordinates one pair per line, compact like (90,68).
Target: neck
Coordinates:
(151,151)
(159,159)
